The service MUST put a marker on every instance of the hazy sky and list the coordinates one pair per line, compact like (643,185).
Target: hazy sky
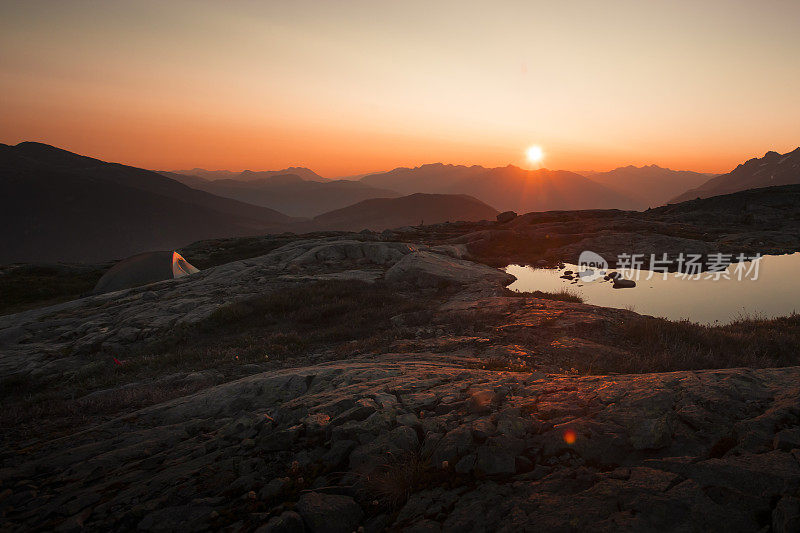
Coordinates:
(346,87)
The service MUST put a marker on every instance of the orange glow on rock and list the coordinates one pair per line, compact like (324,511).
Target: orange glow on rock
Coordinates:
(570,436)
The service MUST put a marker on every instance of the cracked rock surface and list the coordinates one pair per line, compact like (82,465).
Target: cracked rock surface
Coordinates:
(680,450)
(427,433)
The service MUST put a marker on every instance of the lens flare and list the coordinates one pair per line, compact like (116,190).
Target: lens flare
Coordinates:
(570,436)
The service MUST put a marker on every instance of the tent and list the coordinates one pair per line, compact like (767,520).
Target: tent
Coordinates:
(142,269)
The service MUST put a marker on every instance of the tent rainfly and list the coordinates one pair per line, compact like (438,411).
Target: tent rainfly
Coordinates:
(143,269)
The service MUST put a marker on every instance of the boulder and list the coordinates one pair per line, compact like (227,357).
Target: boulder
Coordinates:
(506,216)
(454,445)
(329,513)
(380,253)
(427,269)
(620,283)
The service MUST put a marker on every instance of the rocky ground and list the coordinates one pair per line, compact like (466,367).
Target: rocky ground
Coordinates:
(763,221)
(350,382)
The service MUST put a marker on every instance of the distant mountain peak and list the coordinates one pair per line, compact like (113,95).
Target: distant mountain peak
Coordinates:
(252,175)
(644,167)
(383,213)
(507,187)
(771,170)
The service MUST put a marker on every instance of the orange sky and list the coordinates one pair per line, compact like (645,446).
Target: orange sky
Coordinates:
(350,87)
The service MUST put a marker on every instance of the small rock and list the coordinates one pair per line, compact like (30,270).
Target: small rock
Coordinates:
(491,460)
(419,400)
(329,513)
(466,464)
(523,464)
(400,441)
(408,419)
(481,402)
(287,522)
(620,283)
(363,408)
(454,445)
(513,426)
(176,518)
(786,516)
(787,439)
(338,454)
(279,440)
(482,429)
(316,425)
(651,433)
(272,489)
(385,400)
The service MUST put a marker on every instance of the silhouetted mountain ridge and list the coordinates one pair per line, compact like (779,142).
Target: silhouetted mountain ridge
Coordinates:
(248,175)
(771,170)
(508,187)
(290,193)
(383,213)
(649,185)
(59,206)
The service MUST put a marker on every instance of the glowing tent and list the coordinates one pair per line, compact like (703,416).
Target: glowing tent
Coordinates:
(143,269)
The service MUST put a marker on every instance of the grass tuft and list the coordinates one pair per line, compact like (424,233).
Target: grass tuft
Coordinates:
(565,294)
(663,345)
(393,483)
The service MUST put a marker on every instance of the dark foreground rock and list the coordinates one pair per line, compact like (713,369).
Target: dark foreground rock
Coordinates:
(488,451)
(466,416)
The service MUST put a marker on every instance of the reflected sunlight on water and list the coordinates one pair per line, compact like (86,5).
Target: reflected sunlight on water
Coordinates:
(776,291)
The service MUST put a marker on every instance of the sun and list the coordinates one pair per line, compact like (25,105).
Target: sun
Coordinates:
(534,154)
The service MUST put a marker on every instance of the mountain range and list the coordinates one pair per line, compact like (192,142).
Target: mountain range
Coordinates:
(56,205)
(299,191)
(59,206)
(293,194)
(650,185)
(506,188)
(250,175)
(772,169)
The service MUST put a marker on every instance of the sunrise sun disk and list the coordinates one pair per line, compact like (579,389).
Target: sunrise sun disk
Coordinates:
(535,154)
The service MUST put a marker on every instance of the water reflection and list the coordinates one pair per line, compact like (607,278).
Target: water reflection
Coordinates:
(776,292)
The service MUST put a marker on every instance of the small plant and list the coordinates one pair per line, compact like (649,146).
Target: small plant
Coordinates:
(393,483)
(564,294)
(501,364)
